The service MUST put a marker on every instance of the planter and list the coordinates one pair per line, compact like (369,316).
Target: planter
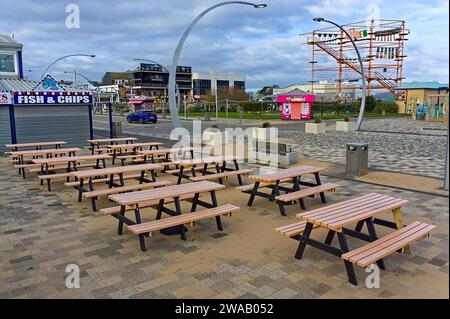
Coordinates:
(315,128)
(343,126)
(262,133)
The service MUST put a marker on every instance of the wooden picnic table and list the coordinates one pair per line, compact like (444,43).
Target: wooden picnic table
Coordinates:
(118,149)
(71,161)
(72,165)
(89,175)
(337,217)
(167,152)
(19,155)
(45,152)
(205,161)
(161,195)
(116,140)
(37,145)
(289,175)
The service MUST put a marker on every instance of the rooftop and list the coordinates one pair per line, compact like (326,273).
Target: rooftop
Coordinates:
(7,41)
(422,85)
(21,85)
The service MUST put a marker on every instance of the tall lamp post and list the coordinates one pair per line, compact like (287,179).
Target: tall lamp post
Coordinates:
(364,88)
(165,69)
(173,69)
(75,76)
(62,58)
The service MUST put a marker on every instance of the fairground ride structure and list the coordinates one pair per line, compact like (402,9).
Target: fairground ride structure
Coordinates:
(381,44)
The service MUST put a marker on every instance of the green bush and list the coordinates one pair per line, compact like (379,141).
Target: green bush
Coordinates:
(388,107)
(371,103)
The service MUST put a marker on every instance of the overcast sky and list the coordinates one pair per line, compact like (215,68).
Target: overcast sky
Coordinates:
(263,44)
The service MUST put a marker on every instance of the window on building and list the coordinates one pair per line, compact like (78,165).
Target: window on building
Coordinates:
(201,86)
(7,63)
(223,84)
(240,85)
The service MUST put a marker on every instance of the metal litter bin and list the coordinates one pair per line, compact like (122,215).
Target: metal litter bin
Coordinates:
(116,129)
(357,158)
(207,116)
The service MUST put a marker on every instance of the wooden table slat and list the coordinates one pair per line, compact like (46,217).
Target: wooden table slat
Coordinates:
(108,140)
(45,151)
(208,160)
(36,144)
(170,191)
(341,205)
(67,159)
(114,170)
(353,210)
(134,145)
(169,150)
(286,173)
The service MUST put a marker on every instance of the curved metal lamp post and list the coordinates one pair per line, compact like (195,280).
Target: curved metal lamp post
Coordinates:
(165,69)
(364,88)
(61,58)
(173,69)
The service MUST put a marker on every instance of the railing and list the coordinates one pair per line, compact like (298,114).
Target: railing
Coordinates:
(389,85)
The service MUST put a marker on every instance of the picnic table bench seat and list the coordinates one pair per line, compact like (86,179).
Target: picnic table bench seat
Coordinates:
(56,168)
(144,204)
(103,180)
(306,192)
(123,189)
(248,188)
(177,170)
(292,230)
(221,175)
(389,244)
(54,176)
(147,228)
(27,165)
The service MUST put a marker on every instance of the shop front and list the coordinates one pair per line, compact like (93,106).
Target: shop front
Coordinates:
(141,103)
(295,106)
(45,111)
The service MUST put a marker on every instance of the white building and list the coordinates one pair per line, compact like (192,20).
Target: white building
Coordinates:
(10,58)
(202,82)
(322,90)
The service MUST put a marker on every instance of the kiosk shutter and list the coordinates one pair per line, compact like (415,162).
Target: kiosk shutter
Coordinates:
(5,132)
(47,123)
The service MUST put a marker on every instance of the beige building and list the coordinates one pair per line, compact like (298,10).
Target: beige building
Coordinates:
(422,93)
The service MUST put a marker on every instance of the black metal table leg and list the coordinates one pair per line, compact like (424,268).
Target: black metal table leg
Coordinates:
(373,236)
(330,237)
(318,182)
(141,237)
(253,194)
(120,225)
(180,174)
(93,199)
(348,265)
(302,244)
(276,191)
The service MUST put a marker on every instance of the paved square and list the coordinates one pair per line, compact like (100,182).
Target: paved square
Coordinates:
(42,232)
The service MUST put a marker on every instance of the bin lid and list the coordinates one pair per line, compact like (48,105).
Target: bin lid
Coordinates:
(357,144)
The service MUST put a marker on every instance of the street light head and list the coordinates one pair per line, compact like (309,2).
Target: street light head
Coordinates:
(318,19)
(260,5)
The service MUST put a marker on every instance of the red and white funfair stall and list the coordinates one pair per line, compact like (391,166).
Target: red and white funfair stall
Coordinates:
(295,106)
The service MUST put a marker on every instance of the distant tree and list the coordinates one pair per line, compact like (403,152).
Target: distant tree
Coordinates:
(268,90)
(371,103)
(235,94)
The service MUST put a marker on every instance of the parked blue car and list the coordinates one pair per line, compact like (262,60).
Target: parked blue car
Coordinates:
(142,116)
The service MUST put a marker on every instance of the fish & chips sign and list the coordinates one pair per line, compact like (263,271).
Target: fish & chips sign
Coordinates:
(50,92)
